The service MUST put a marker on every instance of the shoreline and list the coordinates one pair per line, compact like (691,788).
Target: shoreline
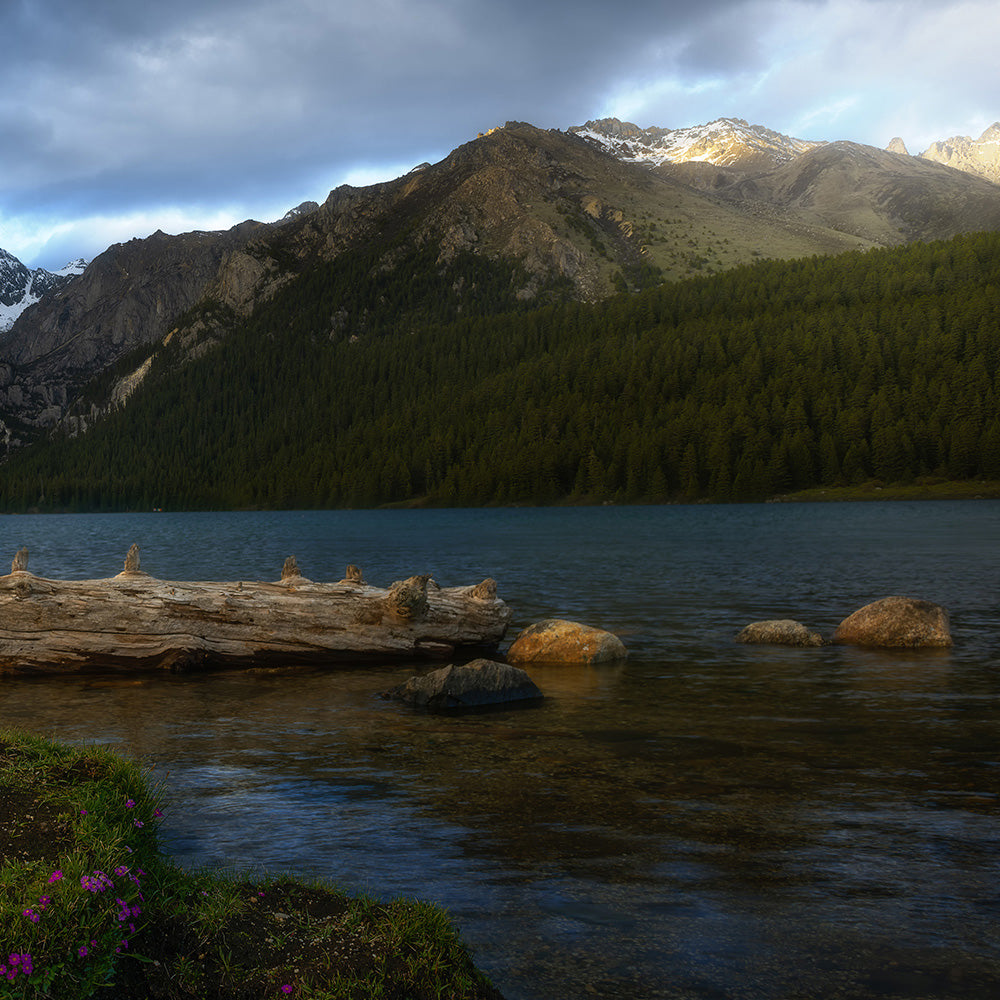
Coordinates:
(90,901)
(873,491)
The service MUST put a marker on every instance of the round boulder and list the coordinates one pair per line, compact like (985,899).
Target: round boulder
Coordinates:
(781,632)
(467,685)
(896,622)
(556,641)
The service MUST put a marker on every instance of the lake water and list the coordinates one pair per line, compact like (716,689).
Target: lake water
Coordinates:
(708,820)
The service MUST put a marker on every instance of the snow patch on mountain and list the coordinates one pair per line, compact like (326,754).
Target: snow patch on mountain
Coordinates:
(725,142)
(21,287)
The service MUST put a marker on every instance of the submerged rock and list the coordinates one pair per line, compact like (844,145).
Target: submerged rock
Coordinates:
(780,632)
(467,685)
(556,641)
(897,622)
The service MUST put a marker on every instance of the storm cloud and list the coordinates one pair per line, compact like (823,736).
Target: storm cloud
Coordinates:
(118,118)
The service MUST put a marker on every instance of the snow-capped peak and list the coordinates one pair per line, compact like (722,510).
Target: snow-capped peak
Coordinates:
(72,269)
(21,287)
(727,142)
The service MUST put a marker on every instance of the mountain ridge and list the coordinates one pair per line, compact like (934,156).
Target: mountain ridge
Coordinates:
(724,142)
(569,214)
(735,143)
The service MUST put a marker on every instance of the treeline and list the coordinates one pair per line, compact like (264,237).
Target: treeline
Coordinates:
(357,385)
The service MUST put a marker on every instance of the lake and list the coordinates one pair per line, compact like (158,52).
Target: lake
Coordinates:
(707,820)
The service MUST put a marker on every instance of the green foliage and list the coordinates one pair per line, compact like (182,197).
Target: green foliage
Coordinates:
(359,385)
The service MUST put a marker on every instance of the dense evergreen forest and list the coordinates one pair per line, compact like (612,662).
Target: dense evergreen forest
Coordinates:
(359,385)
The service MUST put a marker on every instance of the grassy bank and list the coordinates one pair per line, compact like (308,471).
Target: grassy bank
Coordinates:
(921,489)
(89,906)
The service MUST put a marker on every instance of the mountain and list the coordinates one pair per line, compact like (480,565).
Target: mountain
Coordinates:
(21,287)
(517,217)
(980,157)
(736,145)
(886,197)
(725,142)
(574,220)
(128,295)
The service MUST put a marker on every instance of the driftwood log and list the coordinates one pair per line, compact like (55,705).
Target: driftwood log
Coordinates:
(134,621)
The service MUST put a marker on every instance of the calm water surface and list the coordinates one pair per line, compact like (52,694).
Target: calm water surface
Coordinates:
(706,821)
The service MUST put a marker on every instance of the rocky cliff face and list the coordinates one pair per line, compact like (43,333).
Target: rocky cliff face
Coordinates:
(126,297)
(980,157)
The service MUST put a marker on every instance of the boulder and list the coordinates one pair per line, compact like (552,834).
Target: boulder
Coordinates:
(467,685)
(781,632)
(896,622)
(556,641)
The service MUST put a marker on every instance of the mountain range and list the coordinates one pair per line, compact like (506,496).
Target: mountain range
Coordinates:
(581,214)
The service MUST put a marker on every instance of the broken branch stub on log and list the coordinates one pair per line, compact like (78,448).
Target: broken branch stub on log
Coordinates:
(134,620)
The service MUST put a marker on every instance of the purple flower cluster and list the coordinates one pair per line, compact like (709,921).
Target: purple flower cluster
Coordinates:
(21,963)
(97,882)
(17,961)
(35,915)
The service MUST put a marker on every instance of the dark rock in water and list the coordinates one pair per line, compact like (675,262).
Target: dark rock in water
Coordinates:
(781,632)
(467,685)
(556,641)
(897,622)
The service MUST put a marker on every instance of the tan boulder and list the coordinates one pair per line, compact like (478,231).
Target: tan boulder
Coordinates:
(896,622)
(556,641)
(780,632)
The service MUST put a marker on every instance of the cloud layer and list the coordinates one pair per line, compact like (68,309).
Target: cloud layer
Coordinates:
(117,118)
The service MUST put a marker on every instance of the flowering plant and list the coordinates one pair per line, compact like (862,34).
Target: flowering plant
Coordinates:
(65,937)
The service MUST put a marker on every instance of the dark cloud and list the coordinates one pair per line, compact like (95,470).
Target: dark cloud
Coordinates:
(200,90)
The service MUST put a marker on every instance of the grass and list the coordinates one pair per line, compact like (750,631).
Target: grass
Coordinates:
(90,906)
(926,488)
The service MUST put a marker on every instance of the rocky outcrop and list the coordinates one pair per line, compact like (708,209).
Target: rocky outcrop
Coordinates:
(898,623)
(467,685)
(557,641)
(896,145)
(128,296)
(780,632)
(980,157)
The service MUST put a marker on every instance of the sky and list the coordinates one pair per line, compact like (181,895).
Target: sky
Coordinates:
(118,117)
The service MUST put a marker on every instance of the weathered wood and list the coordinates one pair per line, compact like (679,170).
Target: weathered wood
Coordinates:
(133,620)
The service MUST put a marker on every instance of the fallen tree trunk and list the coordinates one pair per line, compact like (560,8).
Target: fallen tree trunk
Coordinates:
(133,620)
